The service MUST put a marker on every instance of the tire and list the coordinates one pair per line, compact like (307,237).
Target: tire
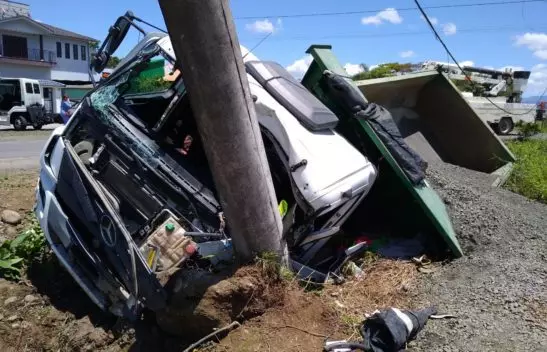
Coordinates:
(37,126)
(19,123)
(505,125)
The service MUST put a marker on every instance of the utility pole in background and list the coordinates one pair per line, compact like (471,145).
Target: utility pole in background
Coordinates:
(205,42)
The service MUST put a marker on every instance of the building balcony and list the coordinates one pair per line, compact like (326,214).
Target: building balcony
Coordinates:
(28,56)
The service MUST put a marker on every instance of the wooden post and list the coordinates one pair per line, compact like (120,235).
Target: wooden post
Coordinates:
(205,42)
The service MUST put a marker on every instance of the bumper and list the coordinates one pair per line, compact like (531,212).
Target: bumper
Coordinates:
(61,237)
(65,241)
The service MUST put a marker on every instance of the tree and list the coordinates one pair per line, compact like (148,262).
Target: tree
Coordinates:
(113,62)
(94,46)
(383,70)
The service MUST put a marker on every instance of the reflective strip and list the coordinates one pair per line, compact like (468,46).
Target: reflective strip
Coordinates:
(405,319)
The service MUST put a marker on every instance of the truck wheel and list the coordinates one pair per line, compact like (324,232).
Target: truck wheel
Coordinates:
(505,125)
(19,123)
(37,126)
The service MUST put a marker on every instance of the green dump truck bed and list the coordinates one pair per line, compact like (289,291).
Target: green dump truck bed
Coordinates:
(413,207)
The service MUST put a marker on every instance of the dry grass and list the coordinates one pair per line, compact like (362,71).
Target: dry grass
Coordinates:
(386,283)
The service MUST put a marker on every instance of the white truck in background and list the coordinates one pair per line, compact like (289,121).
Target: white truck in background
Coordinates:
(496,95)
(22,104)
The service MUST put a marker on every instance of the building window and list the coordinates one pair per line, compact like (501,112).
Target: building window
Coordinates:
(28,88)
(36,88)
(15,46)
(75,50)
(47,94)
(84,53)
(67,51)
(59,50)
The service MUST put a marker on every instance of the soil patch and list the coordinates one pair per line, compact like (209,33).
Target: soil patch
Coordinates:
(17,192)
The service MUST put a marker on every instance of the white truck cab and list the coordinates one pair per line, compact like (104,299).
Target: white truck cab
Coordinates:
(22,103)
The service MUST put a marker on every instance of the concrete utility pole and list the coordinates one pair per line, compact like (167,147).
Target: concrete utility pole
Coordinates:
(206,45)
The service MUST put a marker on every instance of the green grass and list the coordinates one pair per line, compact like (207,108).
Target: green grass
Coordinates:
(529,176)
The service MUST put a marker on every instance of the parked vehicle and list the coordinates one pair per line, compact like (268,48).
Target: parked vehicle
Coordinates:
(130,166)
(496,95)
(22,104)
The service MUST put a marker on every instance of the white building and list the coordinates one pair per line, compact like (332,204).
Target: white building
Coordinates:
(32,49)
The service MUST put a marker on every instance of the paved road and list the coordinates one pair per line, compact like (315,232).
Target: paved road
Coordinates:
(46,127)
(21,153)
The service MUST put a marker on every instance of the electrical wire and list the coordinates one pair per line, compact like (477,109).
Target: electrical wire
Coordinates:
(354,35)
(467,77)
(149,24)
(258,44)
(324,14)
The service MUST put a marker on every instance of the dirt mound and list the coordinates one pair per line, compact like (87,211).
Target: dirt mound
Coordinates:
(301,324)
(306,318)
(210,300)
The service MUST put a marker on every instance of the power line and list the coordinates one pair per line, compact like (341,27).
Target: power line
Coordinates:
(463,71)
(357,35)
(402,9)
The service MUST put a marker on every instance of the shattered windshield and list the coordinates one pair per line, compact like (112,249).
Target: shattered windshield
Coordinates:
(151,72)
(139,95)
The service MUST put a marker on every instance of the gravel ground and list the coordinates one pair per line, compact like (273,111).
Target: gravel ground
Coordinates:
(498,291)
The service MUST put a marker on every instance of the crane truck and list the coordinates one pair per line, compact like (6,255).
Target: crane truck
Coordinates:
(495,95)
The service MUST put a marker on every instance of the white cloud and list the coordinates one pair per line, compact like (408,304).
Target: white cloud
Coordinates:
(353,69)
(388,15)
(264,26)
(407,53)
(434,20)
(542,54)
(538,80)
(536,42)
(449,28)
(372,67)
(300,66)
(467,63)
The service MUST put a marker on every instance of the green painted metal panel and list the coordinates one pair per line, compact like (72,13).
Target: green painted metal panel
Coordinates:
(76,94)
(361,134)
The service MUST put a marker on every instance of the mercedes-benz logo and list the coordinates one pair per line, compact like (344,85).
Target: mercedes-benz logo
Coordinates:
(108,231)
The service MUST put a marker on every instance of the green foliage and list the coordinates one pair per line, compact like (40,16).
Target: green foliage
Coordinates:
(19,252)
(527,129)
(148,85)
(529,176)
(463,86)
(94,46)
(270,264)
(383,70)
(113,62)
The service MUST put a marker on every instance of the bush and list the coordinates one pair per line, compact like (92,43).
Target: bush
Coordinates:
(527,129)
(529,176)
(148,85)
(19,252)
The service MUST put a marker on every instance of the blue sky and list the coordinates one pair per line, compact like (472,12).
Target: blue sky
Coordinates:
(489,36)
